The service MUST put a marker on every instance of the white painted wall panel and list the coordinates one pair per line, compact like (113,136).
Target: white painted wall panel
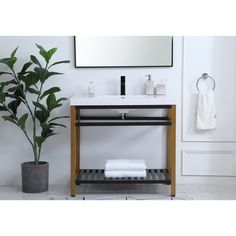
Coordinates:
(213,163)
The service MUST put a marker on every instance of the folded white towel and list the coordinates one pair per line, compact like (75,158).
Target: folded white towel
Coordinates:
(125,174)
(206,114)
(125,164)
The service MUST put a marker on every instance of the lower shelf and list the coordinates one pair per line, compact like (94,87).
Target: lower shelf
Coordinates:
(92,176)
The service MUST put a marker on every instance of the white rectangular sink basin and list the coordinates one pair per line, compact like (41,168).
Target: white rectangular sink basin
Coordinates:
(117,100)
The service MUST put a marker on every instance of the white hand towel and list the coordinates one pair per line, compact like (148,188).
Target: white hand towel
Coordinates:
(206,112)
(125,164)
(125,174)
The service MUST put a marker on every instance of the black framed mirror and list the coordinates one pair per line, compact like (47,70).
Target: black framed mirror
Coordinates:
(123,51)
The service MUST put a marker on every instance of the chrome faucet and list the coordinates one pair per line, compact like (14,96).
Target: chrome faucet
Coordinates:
(122,85)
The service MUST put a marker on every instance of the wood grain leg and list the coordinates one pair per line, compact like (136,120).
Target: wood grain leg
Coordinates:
(73,150)
(171,149)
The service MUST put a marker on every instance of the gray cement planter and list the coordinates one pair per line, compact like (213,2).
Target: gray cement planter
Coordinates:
(34,177)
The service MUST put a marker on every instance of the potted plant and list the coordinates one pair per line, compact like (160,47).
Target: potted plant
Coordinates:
(26,88)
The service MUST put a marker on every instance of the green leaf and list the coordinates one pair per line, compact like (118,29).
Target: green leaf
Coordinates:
(25,67)
(59,62)
(13,105)
(11,96)
(59,117)
(9,62)
(14,52)
(5,73)
(46,54)
(51,90)
(3,108)
(46,130)
(61,99)
(10,119)
(57,124)
(40,106)
(35,60)
(40,47)
(13,89)
(20,92)
(41,116)
(31,78)
(51,52)
(22,120)
(41,73)
(31,90)
(2,97)
(43,52)
(51,102)
(3,84)
(49,135)
(39,140)
(49,74)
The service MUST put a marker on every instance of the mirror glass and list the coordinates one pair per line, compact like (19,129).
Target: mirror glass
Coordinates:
(124,51)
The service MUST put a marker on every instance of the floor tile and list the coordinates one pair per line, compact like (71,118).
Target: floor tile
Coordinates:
(126,192)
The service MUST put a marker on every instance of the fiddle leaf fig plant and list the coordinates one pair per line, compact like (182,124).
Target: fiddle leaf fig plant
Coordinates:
(26,88)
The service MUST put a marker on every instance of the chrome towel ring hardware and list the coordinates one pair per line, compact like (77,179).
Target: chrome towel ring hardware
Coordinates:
(205,76)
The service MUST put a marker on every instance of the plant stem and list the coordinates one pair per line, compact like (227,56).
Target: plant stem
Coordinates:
(39,153)
(34,117)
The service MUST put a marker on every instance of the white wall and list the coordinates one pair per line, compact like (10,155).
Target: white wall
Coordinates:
(98,144)
(209,156)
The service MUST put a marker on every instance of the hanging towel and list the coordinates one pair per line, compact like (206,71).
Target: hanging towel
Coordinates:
(206,112)
(125,174)
(125,164)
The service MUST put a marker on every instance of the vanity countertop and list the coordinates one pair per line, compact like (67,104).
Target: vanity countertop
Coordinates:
(118,100)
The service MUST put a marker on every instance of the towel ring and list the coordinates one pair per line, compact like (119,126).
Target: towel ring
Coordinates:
(206,76)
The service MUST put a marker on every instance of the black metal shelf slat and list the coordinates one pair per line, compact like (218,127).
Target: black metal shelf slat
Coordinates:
(91,176)
(123,123)
(127,121)
(134,121)
(165,118)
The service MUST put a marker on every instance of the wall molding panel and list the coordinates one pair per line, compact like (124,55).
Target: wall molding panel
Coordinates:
(208,163)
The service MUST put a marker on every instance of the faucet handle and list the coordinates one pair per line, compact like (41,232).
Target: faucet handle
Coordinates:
(122,85)
(122,79)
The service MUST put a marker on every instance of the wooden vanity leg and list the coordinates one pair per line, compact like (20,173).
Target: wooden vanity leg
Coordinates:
(75,158)
(171,148)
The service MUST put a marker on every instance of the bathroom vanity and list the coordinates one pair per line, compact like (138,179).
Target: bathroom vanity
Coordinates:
(122,104)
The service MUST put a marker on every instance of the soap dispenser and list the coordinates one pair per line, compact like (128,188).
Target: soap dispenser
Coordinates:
(149,85)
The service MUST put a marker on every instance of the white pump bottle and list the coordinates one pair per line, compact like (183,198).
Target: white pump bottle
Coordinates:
(149,85)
